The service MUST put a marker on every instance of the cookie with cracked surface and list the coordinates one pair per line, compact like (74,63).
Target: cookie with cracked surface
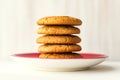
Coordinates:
(58,39)
(59,20)
(62,55)
(59,30)
(59,48)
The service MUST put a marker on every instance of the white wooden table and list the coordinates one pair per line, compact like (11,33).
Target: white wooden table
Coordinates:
(105,71)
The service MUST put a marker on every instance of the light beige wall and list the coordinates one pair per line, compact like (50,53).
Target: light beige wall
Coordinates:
(99,31)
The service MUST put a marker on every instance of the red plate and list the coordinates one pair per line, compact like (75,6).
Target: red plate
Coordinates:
(32,60)
(84,55)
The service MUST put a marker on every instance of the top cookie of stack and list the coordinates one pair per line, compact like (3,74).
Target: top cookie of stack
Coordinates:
(58,41)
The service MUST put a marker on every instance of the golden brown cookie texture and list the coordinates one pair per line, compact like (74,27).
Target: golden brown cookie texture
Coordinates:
(59,20)
(58,39)
(58,30)
(63,55)
(58,48)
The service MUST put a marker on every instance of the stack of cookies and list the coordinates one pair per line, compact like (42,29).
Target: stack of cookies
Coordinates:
(58,39)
